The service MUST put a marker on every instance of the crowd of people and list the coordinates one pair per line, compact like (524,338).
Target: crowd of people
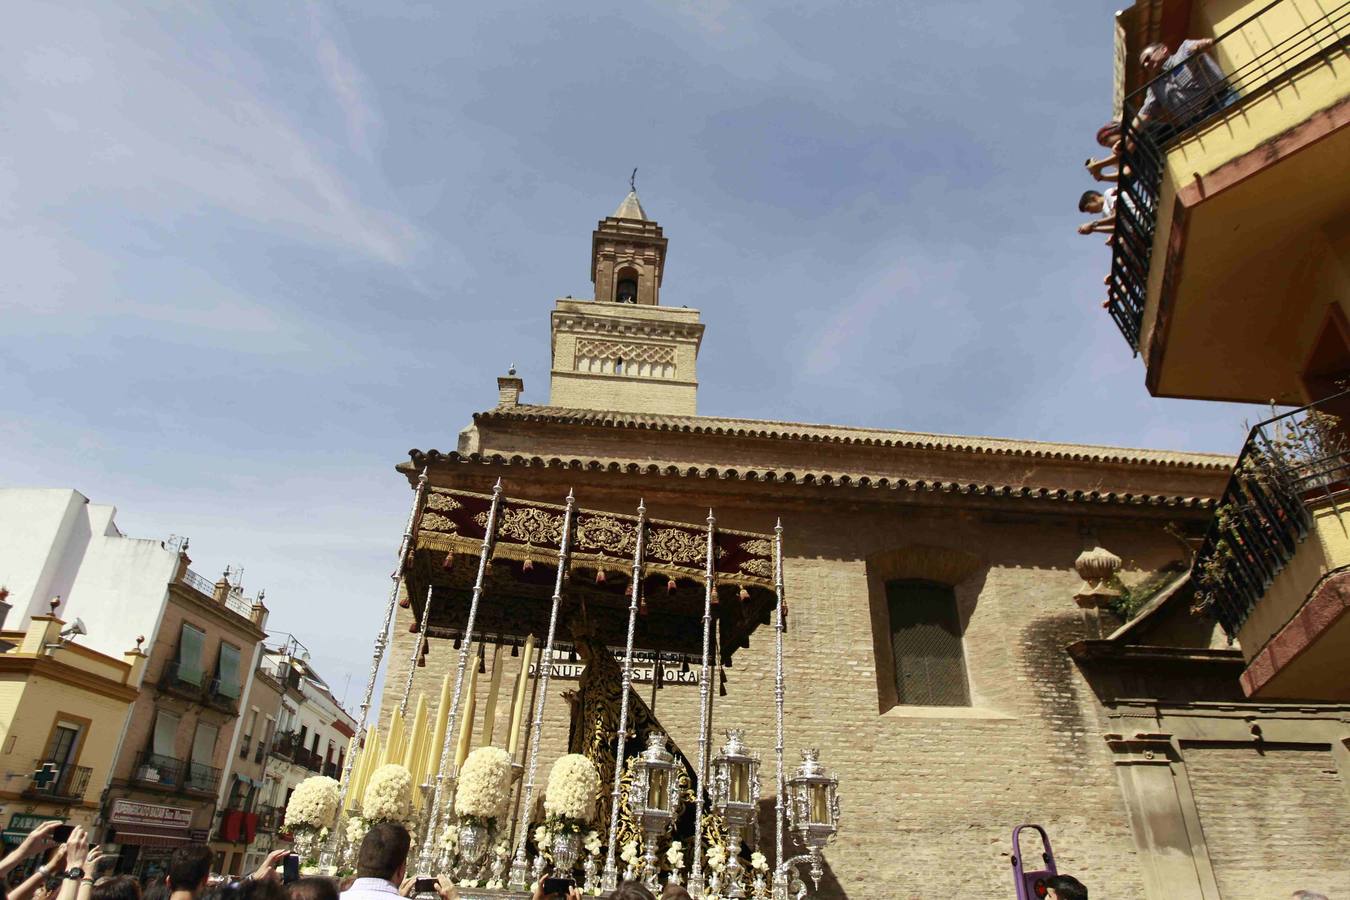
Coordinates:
(70,872)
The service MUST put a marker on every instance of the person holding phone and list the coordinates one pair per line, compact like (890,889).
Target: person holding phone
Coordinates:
(382,868)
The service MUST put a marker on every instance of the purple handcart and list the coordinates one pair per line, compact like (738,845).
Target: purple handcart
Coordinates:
(1031,885)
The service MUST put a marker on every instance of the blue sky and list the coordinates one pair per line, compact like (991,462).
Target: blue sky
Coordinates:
(250,253)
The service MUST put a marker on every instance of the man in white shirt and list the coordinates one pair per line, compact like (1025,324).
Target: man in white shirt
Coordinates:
(382,867)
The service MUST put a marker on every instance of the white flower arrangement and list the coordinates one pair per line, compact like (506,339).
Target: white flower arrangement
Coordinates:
(717,857)
(356,830)
(675,855)
(313,804)
(484,786)
(389,794)
(759,862)
(591,842)
(630,853)
(573,784)
(450,839)
(541,835)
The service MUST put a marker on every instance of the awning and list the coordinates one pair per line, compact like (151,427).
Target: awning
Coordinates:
(149,836)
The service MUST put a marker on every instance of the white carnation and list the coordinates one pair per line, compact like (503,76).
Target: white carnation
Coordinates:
(630,852)
(388,796)
(484,784)
(717,858)
(572,787)
(675,855)
(450,839)
(356,830)
(313,803)
(759,862)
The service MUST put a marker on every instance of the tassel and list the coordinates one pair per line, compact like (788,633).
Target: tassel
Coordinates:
(599,576)
(482,661)
(527,565)
(422,660)
(722,684)
(745,595)
(404,602)
(670,586)
(642,605)
(458,641)
(449,562)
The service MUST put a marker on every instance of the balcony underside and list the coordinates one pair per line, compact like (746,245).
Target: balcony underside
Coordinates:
(1252,256)
(1309,657)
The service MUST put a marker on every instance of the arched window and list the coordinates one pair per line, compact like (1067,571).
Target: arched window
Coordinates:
(626,287)
(926,644)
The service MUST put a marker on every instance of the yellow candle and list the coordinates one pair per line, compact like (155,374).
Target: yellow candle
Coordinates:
(432,760)
(416,738)
(466,715)
(494,686)
(521,692)
(819,804)
(369,757)
(393,742)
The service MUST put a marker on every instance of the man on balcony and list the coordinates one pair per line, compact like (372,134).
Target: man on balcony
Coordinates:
(1187,86)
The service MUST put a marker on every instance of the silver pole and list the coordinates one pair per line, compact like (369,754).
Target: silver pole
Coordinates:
(433,814)
(519,869)
(609,879)
(376,658)
(416,654)
(705,708)
(780,873)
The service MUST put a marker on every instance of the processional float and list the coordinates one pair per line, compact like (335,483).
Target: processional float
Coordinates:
(473,568)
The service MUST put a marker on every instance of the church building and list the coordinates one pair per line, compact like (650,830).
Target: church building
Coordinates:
(981,632)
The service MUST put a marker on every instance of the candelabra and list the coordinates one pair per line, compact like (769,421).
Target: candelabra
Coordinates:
(735,794)
(654,799)
(813,813)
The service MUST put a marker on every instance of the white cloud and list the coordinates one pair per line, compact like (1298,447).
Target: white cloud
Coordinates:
(347,84)
(142,115)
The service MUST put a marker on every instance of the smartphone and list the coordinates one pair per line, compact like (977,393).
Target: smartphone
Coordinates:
(424,886)
(557,887)
(290,868)
(61,833)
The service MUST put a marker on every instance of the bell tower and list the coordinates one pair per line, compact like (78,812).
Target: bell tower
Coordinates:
(623,351)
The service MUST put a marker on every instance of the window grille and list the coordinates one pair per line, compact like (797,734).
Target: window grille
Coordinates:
(930,666)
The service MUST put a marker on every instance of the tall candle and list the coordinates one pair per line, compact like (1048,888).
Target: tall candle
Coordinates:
(393,742)
(370,757)
(521,691)
(466,715)
(494,686)
(416,738)
(433,754)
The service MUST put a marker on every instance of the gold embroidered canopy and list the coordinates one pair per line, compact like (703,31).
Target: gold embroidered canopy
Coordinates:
(524,555)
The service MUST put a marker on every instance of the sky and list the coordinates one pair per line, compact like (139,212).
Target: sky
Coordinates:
(251,253)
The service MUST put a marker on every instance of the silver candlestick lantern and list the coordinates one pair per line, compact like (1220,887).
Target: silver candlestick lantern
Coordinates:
(813,814)
(735,794)
(654,799)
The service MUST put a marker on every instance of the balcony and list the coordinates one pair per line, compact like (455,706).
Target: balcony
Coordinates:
(269,817)
(60,782)
(156,771)
(201,779)
(1239,183)
(1274,570)
(181,681)
(245,745)
(284,745)
(223,696)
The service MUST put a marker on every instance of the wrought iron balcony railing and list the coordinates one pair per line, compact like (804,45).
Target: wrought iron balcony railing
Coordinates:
(201,778)
(155,770)
(284,744)
(269,817)
(1288,462)
(182,680)
(58,781)
(245,744)
(1144,143)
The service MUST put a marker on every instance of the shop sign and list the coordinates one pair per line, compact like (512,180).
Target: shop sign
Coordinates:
(129,812)
(20,824)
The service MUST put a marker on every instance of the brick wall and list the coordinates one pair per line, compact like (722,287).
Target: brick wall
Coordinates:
(1274,819)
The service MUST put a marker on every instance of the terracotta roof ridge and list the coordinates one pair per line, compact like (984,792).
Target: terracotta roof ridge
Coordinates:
(863,434)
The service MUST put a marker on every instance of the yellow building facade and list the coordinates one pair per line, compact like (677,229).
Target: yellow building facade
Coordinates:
(63,709)
(1230,278)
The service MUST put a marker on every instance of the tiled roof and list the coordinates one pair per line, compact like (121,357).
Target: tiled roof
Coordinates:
(875,437)
(421,458)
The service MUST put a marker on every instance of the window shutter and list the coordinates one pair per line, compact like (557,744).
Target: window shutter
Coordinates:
(204,744)
(228,671)
(930,668)
(190,646)
(166,731)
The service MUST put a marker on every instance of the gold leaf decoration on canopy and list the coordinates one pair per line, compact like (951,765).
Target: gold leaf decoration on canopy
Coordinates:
(443,502)
(436,522)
